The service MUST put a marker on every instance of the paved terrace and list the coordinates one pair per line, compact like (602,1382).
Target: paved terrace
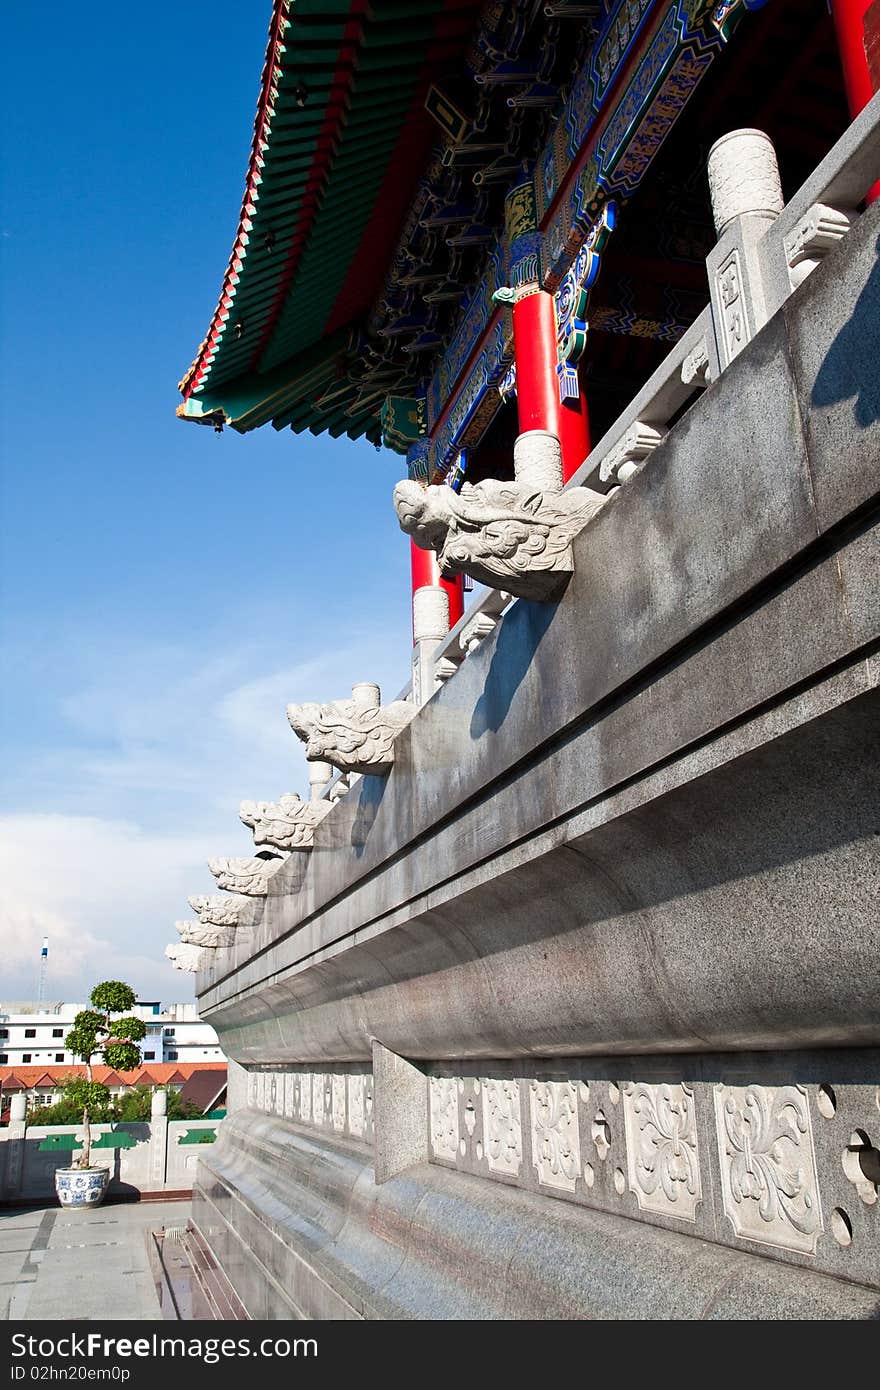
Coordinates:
(84,1265)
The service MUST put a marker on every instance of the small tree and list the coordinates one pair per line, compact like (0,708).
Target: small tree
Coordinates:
(96,1032)
(138,1105)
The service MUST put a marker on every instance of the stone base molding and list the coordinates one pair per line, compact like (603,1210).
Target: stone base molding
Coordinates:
(777,1158)
(303,1231)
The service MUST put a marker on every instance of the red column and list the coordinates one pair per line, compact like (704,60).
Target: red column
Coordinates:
(537,385)
(852,23)
(426,570)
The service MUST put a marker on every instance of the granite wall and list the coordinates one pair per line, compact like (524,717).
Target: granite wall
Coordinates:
(591,981)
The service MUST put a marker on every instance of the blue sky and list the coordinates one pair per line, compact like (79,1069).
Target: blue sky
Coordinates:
(163,591)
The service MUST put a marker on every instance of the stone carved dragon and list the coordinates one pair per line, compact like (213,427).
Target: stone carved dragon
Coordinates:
(217,910)
(508,535)
(185,956)
(249,876)
(287,824)
(197,934)
(351,735)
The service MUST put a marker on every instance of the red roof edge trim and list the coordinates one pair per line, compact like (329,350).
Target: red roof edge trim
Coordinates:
(265,111)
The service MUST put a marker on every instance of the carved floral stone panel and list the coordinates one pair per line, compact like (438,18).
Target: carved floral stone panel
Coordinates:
(317,1097)
(556,1151)
(305,1097)
(341,1100)
(444,1117)
(770,1187)
(356,1105)
(502,1126)
(661,1148)
(338,1102)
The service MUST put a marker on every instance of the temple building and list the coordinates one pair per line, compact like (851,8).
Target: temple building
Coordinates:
(556,999)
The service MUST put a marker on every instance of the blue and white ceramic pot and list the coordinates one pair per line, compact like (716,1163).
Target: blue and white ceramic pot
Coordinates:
(81,1187)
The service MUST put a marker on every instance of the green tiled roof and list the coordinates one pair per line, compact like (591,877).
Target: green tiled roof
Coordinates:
(341,137)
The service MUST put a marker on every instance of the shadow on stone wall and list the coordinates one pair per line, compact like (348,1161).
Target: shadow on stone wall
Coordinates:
(852,363)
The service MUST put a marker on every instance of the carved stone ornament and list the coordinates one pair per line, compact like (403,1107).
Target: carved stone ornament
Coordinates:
(817,233)
(661,1148)
(556,1149)
(210,938)
(481,626)
(743,178)
(356,1098)
(184,956)
(515,536)
(769,1184)
(249,876)
(355,735)
(443,1094)
(502,1126)
(628,456)
(444,669)
(337,1093)
(217,910)
(340,788)
(287,824)
(696,367)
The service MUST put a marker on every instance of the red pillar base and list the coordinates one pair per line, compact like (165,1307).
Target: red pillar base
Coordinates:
(426,570)
(537,384)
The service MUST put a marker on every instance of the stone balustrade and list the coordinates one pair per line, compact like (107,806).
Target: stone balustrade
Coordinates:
(576,1011)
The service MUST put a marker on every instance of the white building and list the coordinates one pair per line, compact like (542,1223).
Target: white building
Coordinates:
(34,1034)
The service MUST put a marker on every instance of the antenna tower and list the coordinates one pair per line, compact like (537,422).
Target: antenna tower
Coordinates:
(44,966)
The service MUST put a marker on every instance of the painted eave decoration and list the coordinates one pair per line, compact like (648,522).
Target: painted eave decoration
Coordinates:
(340,137)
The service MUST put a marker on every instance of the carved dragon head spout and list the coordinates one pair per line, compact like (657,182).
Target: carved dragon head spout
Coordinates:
(288,824)
(509,535)
(185,956)
(423,513)
(218,910)
(249,876)
(303,719)
(209,938)
(355,735)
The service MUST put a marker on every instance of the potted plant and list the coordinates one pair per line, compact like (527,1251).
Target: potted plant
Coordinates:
(97,1032)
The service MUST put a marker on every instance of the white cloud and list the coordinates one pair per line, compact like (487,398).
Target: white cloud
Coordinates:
(133,782)
(105,892)
(169,738)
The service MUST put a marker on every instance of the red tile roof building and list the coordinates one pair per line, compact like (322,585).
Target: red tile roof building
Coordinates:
(44,1083)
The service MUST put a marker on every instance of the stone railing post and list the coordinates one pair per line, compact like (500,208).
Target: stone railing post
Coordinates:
(537,460)
(15,1138)
(320,777)
(746,197)
(430,626)
(158,1139)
